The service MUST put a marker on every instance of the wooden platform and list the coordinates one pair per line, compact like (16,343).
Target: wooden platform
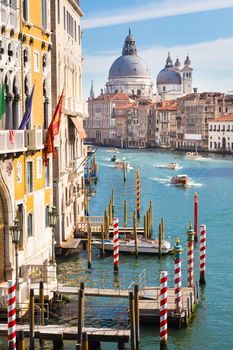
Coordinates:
(57,332)
(71,244)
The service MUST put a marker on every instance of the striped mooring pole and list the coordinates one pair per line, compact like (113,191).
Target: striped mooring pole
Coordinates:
(190,234)
(115,245)
(196,216)
(202,254)
(138,193)
(163,310)
(177,276)
(11,312)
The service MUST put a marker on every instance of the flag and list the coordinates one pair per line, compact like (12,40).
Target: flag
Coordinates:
(28,111)
(53,130)
(2,102)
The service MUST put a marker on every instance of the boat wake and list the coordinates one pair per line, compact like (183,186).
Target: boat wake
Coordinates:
(164,166)
(167,182)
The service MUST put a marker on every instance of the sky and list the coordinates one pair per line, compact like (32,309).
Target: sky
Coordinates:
(201,28)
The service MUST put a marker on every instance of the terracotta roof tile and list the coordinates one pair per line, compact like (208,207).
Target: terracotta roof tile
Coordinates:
(224,118)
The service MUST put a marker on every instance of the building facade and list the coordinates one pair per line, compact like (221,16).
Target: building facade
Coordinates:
(25,183)
(71,153)
(221,134)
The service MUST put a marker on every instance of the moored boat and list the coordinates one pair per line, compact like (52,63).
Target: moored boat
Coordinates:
(145,246)
(193,156)
(112,150)
(180,180)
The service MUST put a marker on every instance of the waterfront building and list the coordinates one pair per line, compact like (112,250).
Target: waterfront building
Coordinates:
(129,72)
(221,134)
(25,183)
(194,111)
(173,81)
(165,132)
(68,165)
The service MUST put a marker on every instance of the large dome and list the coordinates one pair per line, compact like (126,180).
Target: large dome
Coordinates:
(129,66)
(168,76)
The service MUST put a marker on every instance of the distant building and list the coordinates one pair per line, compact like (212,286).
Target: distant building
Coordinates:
(165,132)
(129,72)
(221,134)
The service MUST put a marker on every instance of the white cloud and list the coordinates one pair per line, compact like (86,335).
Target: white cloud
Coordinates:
(212,63)
(165,8)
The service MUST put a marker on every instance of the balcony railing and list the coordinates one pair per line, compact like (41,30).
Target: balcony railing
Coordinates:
(34,139)
(12,142)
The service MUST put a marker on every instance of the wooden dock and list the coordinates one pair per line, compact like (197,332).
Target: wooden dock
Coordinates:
(57,332)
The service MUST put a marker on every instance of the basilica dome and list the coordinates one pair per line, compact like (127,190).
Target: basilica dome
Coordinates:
(129,73)
(168,76)
(129,66)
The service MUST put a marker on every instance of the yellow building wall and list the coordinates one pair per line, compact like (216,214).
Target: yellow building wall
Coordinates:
(19,184)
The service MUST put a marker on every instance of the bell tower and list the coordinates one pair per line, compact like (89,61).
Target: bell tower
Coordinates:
(187,77)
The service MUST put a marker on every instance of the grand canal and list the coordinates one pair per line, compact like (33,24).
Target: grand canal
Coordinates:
(212,178)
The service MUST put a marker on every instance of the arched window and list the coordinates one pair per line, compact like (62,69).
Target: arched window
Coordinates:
(29,225)
(15,107)
(26,10)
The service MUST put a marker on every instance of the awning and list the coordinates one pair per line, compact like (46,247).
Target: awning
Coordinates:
(79,127)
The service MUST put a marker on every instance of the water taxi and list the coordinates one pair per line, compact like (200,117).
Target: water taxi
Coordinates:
(180,180)
(145,246)
(112,150)
(172,166)
(193,156)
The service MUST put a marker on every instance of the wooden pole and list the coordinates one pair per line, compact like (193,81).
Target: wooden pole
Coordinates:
(85,341)
(11,345)
(102,241)
(107,226)
(135,233)
(162,229)
(41,301)
(21,340)
(80,315)
(112,202)
(124,170)
(125,215)
(89,244)
(196,216)
(137,321)
(145,226)
(110,212)
(151,217)
(160,241)
(132,321)
(32,319)
(148,226)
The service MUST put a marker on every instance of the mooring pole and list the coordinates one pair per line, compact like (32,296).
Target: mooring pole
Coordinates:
(125,216)
(138,193)
(80,315)
(137,321)
(132,321)
(116,245)
(21,340)
(135,233)
(145,228)
(160,241)
(202,279)
(163,310)
(190,236)
(110,212)
(196,216)
(32,319)
(112,202)
(102,241)
(89,244)
(124,170)
(85,341)
(151,217)
(177,276)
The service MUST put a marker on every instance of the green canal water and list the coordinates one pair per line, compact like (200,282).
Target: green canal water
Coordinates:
(212,178)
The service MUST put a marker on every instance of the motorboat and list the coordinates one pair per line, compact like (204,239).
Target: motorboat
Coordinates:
(193,156)
(114,158)
(112,150)
(121,164)
(172,165)
(145,246)
(180,180)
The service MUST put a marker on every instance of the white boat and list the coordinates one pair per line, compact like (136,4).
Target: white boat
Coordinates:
(145,246)
(172,165)
(112,150)
(180,180)
(193,156)
(120,164)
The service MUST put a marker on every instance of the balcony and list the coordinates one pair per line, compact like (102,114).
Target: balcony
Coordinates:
(34,139)
(13,144)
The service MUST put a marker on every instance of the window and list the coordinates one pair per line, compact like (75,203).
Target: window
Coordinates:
(29,224)
(47,216)
(44,14)
(210,144)
(58,11)
(26,10)
(39,168)
(164,88)
(79,35)
(47,174)
(64,17)
(30,176)
(75,31)
(36,61)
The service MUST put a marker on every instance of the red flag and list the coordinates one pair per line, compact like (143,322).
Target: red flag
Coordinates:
(53,130)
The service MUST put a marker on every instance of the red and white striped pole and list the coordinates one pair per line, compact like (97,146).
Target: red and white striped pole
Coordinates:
(202,254)
(138,193)
(196,216)
(190,234)
(177,274)
(11,311)
(163,310)
(115,245)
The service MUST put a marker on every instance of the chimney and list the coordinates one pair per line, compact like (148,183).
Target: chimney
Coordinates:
(195,90)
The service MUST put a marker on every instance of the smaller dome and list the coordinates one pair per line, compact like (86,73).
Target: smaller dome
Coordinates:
(168,76)
(177,63)
(187,62)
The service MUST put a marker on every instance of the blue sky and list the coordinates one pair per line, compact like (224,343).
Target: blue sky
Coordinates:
(201,28)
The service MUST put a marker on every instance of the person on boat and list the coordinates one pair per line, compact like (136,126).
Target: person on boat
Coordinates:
(113,159)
